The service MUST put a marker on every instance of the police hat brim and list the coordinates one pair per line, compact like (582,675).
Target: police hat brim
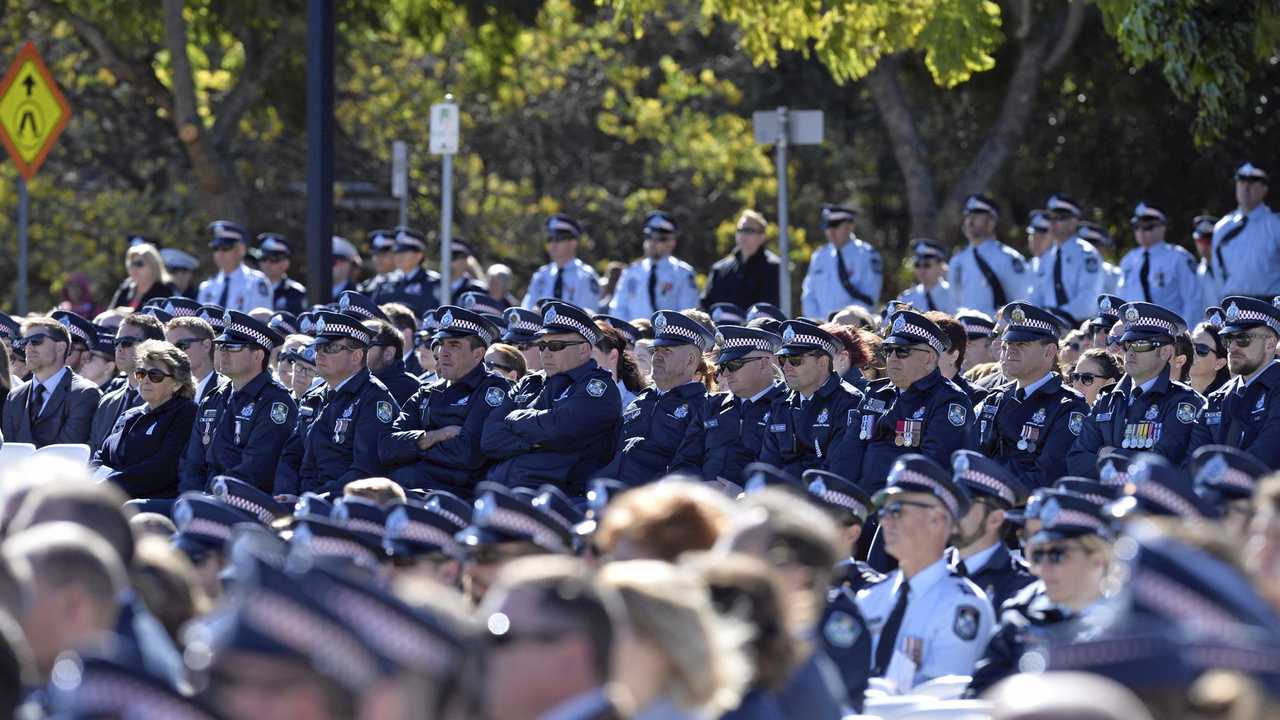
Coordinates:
(904,341)
(670,342)
(403,549)
(1143,334)
(194,548)
(522,338)
(474,537)
(1018,335)
(226,337)
(788,350)
(731,354)
(1240,326)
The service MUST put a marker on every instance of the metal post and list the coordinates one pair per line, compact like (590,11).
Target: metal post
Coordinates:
(446,228)
(320,21)
(400,178)
(24,200)
(784,249)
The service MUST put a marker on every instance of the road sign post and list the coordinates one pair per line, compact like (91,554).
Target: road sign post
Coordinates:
(400,178)
(444,142)
(783,127)
(33,113)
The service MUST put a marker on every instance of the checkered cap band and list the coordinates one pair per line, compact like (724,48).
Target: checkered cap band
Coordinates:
(454,518)
(516,523)
(805,339)
(1110,651)
(984,480)
(940,491)
(1180,603)
(207,528)
(214,320)
(848,502)
(680,332)
(1231,477)
(351,330)
(331,647)
(1075,518)
(256,335)
(344,549)
(278,322)
(457,323)
(1255,316)
(427,535)
(1244,659)
(1034,324)
(975,204)
(77,332)
(117,695)
(547,509)
(754,343)
(516,324)
(181,310)
(355,309)
(396,637)
(916,331)
(264,515)
(976,329)
(1120,479)
(1166,498)
(363,526)
(1153,323)
(555,225)
(572,324)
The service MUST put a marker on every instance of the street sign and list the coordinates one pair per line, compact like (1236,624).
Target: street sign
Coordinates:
(444,128)
(399,169)
(33,111)
(804,127)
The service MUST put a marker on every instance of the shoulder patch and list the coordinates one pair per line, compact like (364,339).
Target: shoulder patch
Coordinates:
(384,411)
(279,413)
(1075,422)
(1186,413)
(493,396)
(957,414)
(876,264)
(596,388)
(1091,263)
(841,630)
(966,623)
(1019,266)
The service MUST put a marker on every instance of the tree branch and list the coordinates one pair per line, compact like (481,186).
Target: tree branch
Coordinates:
(908,145)
(248,89)
(1067,38)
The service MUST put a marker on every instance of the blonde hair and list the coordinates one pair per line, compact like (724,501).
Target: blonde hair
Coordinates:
(173,360)
(666,518)
(754,217)
(377,490)
(670,606)
(151,256)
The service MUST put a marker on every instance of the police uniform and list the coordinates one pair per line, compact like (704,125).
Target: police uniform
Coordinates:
(936,621)
(242,289)
(664,431)
(1160,418)
(649,285)
(1072,276)
(288,295)
(566,432)
(341,444)
(850,275)
(1162,274)
(994,569)
(419,289)
(801,432)
(1029,430)
(930,417)
(380,241)
(460,286)
(940,297)
(1224,475)
(1157,487)
(399,381)
(1097,236)
(848,505)
(1210,290)
(289,467)
(1246,247)
(241,432)
(1246,414)
(735,427)
(575,283)
(456,464)
(987,275)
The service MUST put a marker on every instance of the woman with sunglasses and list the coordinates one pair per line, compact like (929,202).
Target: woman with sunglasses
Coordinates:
(142,452)
(1072,556)
(1096,372)
(147,280)
(1209,364)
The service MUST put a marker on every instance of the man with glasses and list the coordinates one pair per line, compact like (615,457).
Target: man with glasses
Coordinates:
(1157,272)
(194,337)
(931,291)
(735,423)
(83,337)
(979,331)
(1031,424)
(1147,409)
(236,286)
(241,430)
(1226,478)
(979,552)
(341,443)
(1071,276)
(914,410)
(411,284)
(56,405)
(925,620)
(660,281)
(1099,327)
(1245,255)
(286,293)
(805,427)
(748,275)
(1245,412)
(133,330)
(435,441)
(846,270)
(568,430)
(566,277)
(663,428)
(382,244)
(986,274)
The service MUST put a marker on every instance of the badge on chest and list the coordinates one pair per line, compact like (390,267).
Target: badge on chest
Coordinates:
(908,433)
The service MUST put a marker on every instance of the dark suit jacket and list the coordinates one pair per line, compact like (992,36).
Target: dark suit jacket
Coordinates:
(109,410)
(66,417)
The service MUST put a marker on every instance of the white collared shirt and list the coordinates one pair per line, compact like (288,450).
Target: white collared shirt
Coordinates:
(204,383)
(50,385)
(1030,389)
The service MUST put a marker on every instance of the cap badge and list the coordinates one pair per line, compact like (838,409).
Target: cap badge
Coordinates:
(1216,320)
(447,319)
(1018,315)
(1212,470)
(65,321)
(469,301)
(1233,312)
(320,326)
(1104,304)
(306,326)
(789,334)
(899,324)
(168,307)
(1049,512)
(661,322)
(226,316)
(344,302)
(1131,315)
(961,464)
(1275,301)
(550,315)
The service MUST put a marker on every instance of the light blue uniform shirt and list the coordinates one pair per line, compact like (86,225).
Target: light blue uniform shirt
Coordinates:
(581,286)
(823,293)
(249,290)
(676,289)
(970,285)
(1171,276)
(942,294)
(1252,258)
(1082,279)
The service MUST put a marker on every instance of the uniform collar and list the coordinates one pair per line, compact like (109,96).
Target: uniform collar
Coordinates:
(689,389)
(924,579)
(1048,378)
(925,383)
(395,368)
(581,371)
(1256,213)
(254,386)
(573,262)
(769,391)
(473,378)
(825,388)
(353,384)
(983,558)
(1159,384)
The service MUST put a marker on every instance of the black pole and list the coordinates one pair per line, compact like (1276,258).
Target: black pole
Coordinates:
(320,23)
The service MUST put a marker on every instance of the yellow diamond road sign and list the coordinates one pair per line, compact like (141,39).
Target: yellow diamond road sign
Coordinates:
(33,111)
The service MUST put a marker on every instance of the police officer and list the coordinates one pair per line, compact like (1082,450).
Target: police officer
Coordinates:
(1096,235)
(411,285)
(1108,315)
(346,261)
(435,443)
(1245,412)
(926,621)
(235,287)
(979,331)
(979,552)
(1246,242)
(660,281)
(913,410)
(567,431)
(241,430)
(849,507)
(663,428)
(1202,235)
(1157,272)
(1147,409)
(986,274)
(1157,487)
(341,444)
(522,332)
(1029,425)
(287,294)
(845,271)
(382,245)
(931,291)
(1071,270)
(735,422)
(1226,477)
(804,427)
(566,277)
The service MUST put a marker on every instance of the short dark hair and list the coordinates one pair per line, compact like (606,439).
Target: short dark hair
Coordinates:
(402,318)
(152,328)
(1182,345)
(954,331)
(384,334)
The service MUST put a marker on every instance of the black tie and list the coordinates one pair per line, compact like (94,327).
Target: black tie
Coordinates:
(226,291)
(1145,275)
(1135,396)
(557,290)
(653,287)
(37,402)
(1059,290)
(889,635)
(1020,394)
(962,569)
(1244,220)
(928,300)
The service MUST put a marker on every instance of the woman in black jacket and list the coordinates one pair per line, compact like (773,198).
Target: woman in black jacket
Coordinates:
(147,280)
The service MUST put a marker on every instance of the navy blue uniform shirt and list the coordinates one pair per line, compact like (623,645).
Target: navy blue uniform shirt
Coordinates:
(1030,436)
(240,433)
(735,429)
(662,433)
(342,443)
(1161,421)
(400,383)
(1245,417)
(801,433)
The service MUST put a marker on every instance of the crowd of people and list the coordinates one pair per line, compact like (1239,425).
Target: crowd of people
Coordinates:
(1015,490)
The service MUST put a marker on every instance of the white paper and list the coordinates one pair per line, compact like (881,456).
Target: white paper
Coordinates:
(901,671)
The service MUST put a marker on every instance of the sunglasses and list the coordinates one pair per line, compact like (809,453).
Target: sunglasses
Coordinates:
(735,365)
(796,360)
(185,345)
(500,367)
(1142,346)
(558,345)
(895,508)
(137,263)
(1241,340)
(1204,350)
(1087,379)
(332,348)
(1054,555)
(152,374)
(749,230)
(899,351)
(538,637)
(127,342)
(31,341)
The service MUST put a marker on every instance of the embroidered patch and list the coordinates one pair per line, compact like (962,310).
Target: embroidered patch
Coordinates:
(1186,413)
(966,622)
(956,414)
(841,630)
(493,396)
(279,413)
(1091,264)
(384,411)
(681,412)
(596,388)
(1075,422)
(823,417)
(1153,413)
(632,412)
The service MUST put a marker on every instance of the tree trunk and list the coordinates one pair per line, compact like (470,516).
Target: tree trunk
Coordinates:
(908,146)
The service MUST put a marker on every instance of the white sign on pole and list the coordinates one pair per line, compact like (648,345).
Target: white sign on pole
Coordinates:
(444,129)
(399,169)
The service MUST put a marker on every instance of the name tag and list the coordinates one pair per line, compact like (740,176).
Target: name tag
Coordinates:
(1213,418)
(778,428)
(711,423)
(1104,417)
